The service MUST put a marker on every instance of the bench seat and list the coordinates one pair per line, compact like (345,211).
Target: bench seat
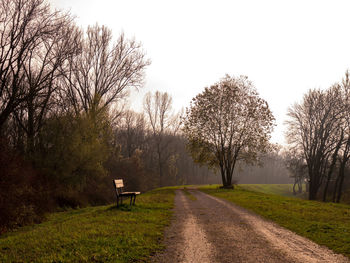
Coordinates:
(119,186)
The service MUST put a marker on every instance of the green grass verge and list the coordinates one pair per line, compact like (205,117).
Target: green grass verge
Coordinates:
(94,234)
(278,189)
(327,224)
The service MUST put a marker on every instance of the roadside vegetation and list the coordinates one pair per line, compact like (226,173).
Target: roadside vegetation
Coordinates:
(327,224)
(278,189)
(94,234)
(287,190)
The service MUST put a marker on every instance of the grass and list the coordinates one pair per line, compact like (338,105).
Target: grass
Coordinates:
(94,234)
(278,189)
(287,190)
(327,224)
(189,195)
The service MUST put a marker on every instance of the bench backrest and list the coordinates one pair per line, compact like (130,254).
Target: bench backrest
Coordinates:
(119,185)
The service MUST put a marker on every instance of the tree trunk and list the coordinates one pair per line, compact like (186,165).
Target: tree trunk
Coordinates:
(229,184)
(300,186)
(340,180)
(340,185)
(330,171)
(294,192)
(336,187)
(159,153)
(223,176)
(160,171)
(312,189)
(312,193)
(30,126)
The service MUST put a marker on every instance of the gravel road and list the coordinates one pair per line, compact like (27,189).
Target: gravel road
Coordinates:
(210,229)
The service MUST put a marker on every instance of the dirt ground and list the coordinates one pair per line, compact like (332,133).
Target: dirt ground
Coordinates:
(209,229)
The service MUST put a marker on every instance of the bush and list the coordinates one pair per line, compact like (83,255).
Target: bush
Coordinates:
(23,199)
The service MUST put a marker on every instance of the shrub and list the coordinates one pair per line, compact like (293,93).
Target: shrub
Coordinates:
(23,199)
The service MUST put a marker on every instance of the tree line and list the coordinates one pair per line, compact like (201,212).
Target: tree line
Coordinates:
(65,127)
(228,126)
(319,140)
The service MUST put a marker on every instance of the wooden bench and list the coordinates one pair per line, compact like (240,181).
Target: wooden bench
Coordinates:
(119,185)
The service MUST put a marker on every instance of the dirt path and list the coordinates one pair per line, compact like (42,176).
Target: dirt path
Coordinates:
(209,229)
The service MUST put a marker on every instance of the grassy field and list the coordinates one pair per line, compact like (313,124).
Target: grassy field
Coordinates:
(94,234)
(278,189)
(287,190)
(325,223)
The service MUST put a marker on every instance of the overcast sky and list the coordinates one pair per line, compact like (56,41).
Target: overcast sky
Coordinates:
(284,47)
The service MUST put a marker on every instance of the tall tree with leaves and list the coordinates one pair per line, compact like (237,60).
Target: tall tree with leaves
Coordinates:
(226,123)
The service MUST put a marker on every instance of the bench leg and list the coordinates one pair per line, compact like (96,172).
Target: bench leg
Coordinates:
(117,201)
(134,199)
(131,200)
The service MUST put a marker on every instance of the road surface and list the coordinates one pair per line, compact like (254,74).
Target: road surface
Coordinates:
(210,229)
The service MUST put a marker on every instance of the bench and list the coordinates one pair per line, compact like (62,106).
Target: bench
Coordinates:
(119,185)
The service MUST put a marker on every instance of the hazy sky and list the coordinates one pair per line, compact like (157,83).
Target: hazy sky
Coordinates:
(284,47)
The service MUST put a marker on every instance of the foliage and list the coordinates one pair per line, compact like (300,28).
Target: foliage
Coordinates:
(94,234)
(72,154)
(21,198)
(228,122)
(132,171)
(326,224)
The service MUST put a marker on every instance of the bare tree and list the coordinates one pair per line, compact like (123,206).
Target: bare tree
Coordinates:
(23,26)
(131,132)
(314,128)
(226,123)
(343,151)
(164,125)
(296,165)
(102,73)
(343,160)
(41,73)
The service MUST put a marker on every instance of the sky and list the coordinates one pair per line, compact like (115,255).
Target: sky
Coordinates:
(284,47)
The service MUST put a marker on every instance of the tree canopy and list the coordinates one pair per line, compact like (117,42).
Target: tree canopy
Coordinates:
(226,123)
